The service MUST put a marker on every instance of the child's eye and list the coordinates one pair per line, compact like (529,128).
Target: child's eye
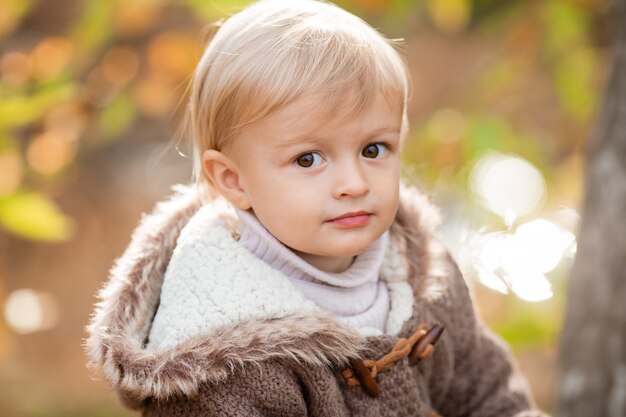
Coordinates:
(375,150)
(308,160)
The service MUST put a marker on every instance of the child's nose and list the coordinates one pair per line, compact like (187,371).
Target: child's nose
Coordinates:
(350,181)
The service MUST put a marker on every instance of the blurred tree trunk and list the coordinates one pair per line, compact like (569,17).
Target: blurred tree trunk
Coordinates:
(593,344)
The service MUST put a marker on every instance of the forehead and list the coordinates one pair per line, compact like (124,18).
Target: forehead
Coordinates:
(317,115)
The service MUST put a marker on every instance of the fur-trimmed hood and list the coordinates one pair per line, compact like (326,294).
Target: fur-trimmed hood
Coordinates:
(119,328)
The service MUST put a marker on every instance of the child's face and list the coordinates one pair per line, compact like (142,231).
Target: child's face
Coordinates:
(301,169)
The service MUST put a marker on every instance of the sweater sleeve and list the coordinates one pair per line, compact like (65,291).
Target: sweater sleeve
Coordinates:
(485,380)
(266,390)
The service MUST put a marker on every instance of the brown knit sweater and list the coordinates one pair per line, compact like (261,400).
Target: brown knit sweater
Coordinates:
(305,363)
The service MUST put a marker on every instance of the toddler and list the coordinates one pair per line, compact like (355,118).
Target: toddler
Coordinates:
(298,276)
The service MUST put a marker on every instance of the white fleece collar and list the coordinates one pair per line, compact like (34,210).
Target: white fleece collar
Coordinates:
(212,282)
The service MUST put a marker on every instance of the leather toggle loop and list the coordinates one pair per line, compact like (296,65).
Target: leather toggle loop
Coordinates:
(417,347)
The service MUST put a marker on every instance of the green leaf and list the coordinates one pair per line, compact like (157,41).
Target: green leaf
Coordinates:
(94,27)
(22,110)
(566,25)
(34,216)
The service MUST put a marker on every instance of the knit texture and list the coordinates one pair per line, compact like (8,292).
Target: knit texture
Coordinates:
(291,363)
(355,296)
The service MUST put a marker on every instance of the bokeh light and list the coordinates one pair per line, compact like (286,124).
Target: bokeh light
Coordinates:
(530,285)
(50,57)
(154,95)
(28,311)
(508,185)
(518,261)
(539,243)
(450,15)
(14,68)
(181,52)
(132,17)
(50,152)
(120,65)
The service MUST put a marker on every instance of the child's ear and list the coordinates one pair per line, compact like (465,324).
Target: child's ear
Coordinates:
(224,175)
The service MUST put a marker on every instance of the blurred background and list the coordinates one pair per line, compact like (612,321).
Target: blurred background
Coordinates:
(505,97)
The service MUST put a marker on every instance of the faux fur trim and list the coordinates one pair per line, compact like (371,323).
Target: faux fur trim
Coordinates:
(305,338)
(414,229)
(123,315)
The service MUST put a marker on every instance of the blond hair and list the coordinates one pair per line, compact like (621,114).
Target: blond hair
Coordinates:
(274,52)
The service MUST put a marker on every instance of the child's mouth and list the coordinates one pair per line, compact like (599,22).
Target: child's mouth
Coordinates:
(348,220)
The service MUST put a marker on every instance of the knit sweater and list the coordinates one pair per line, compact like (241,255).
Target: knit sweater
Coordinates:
(263,349)
(355,296)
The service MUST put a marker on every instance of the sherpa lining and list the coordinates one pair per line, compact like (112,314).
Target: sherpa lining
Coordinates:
(127,303)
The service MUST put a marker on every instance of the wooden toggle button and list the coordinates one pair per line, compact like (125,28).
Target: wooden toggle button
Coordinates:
(364,376)
(424,346)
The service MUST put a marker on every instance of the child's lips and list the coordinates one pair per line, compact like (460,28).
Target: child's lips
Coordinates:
(352,219)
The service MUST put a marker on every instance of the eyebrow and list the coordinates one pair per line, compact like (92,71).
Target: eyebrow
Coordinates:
(307,137)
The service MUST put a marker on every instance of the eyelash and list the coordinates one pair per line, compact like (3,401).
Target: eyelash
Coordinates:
(386,148)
